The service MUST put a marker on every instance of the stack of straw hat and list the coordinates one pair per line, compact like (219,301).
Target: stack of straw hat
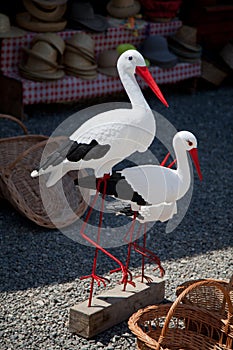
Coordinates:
(43,60)
(184,44)
(43,15)
(79,57)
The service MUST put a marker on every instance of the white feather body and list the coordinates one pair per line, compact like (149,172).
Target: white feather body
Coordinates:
(156,184)
(161,212)
(118,128)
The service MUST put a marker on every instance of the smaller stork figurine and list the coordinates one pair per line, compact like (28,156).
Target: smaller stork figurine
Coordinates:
(151,190)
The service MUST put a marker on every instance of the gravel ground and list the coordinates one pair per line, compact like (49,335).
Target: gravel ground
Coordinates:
(40,268)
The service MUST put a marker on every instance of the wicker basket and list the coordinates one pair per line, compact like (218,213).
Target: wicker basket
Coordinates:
(208,296)
(18,157)
(167,326)
(12,147)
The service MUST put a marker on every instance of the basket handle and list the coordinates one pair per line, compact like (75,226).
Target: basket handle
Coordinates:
(43,140)
(230,284)
(10,117)
(183,294)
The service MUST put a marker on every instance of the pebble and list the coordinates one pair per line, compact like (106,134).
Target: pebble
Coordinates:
(41,267)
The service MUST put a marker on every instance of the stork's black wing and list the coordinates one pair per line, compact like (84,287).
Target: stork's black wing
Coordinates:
(74,151)
(116,186)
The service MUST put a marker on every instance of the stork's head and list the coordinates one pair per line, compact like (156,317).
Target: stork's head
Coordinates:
(131,62)
(189,142)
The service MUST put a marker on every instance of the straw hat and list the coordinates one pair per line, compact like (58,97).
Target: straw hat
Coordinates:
(50,3)
(8,31)
(155,48)
(78,51)
(50,74)
(83,42)
(123,8)
(79,57)
(187,37)
(51,14)
(74,60)
(82,13)
(41,63)
(76,64)
(107,62)
(44,51)
(26,21)
(53,39)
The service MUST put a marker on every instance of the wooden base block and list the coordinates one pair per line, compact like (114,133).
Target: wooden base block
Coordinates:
(114,306)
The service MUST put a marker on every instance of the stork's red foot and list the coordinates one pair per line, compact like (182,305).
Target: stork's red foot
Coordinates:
(127,276)
(147,278)
(97,278)
(161,270)
(151,256)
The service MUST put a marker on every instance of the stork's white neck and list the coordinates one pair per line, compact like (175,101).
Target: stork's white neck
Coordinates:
(133,90)
(183,169)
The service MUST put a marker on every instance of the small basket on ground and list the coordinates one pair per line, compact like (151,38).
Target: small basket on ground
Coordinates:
(18,157)
(167,326)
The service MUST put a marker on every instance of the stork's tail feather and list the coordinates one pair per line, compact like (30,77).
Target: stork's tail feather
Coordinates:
(34,173)
(121,208)
(55,176)
(42,171)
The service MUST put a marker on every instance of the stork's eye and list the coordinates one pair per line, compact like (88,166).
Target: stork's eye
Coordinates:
(130,58)
(190,143)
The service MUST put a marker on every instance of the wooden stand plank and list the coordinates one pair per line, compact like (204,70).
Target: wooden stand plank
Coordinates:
(114,306)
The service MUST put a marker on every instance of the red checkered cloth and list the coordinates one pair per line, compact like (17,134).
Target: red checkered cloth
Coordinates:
(72,88)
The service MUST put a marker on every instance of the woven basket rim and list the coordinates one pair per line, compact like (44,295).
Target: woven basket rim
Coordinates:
(169,310)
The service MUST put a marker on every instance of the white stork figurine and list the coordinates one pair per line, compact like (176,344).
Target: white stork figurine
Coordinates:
(108,138)
(152,190)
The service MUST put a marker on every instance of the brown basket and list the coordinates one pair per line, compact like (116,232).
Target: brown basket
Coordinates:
(167,326)
(12,147)
(20,155)
(208,296)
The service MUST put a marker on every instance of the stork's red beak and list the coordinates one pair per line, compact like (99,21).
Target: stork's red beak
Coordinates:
(194,154)
(147,77)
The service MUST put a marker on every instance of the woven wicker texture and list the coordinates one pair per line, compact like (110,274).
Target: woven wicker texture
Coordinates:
(208,297)
(18,157)
(182,326)
(12,147)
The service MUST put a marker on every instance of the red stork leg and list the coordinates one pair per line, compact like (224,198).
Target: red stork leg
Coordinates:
(130,234)
(93,275)
(164,161)
(130,244)
(143,256)
(146,253)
